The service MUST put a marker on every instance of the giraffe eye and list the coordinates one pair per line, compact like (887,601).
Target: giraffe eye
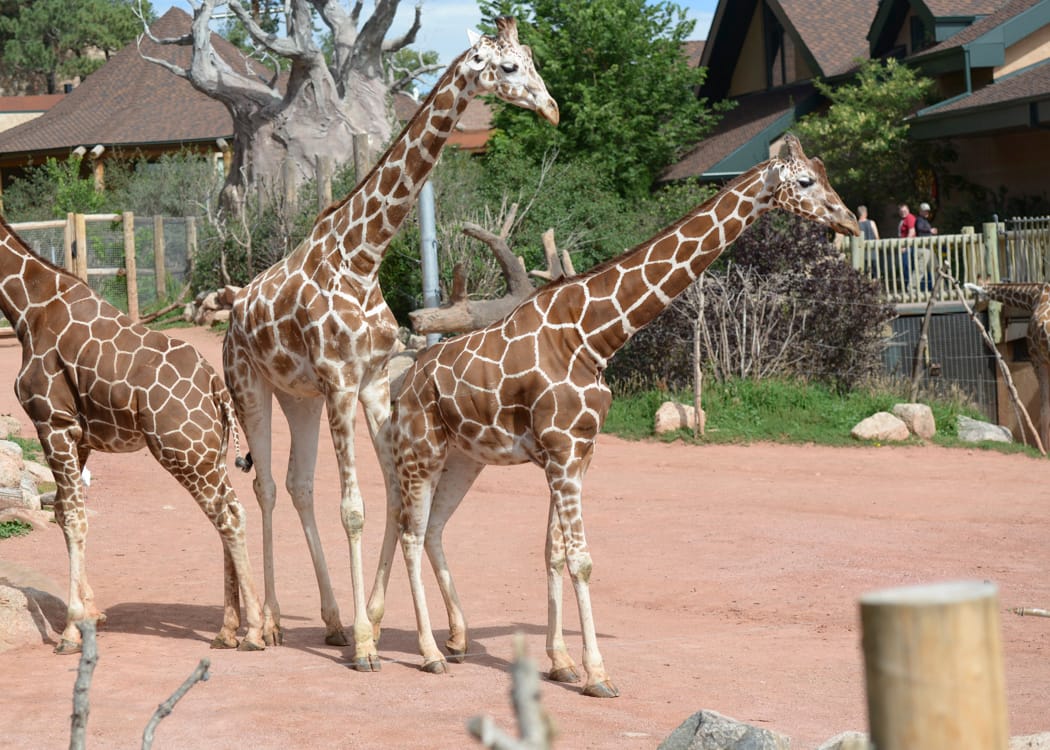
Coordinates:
(509,67)
(805,181)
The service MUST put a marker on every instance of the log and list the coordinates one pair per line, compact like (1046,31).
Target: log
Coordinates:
(934,669)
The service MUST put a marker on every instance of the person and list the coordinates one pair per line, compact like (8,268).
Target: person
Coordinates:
(923,227)
(906,231)
(869,231)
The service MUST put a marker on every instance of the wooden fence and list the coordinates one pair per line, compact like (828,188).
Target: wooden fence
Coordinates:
(81,257)
(1015,250)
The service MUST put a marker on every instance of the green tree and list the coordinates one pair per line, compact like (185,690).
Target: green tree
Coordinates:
(624,86)
(863,136)
(53,37)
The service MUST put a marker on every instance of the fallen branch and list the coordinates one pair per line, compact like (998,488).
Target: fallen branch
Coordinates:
(200,674)
(1031,611)
(164,311)
(535,726)
(85,671)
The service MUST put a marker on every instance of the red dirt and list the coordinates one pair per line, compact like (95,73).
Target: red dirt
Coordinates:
(724,578)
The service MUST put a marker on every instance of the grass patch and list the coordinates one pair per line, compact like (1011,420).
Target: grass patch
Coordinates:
(31,450)
(10,529)
(785,411)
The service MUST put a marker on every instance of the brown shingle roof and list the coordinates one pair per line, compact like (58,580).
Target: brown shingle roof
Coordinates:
(947,8)
(693,49)
(835,37)
(130,101)
(979,28)
(37,103)
(1027,84)
(753,114)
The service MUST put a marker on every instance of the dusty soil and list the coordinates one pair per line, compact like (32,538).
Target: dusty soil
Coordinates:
(724,578)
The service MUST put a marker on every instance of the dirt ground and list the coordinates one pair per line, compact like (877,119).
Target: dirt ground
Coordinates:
(724,578)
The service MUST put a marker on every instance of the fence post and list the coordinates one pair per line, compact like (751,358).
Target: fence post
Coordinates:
(933,667)
(68,241)
(80,245)
(131,278)
(990,236)
(158,256)
(856,251)
(191,241)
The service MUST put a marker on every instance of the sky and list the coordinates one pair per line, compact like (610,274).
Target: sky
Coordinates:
(445,22)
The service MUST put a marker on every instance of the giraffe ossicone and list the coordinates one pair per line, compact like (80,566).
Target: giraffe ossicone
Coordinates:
(314,330)
(93,379)
(530,388)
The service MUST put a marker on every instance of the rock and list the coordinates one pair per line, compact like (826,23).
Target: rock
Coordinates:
(11,464)
(38,519)
(29,616)
(918,418)
(881,426)
(47,499)
(672,416)
(226,295)
(41,473)
(9,426)
(976,431)
(848,741)
(220,316)
(1039,741)
(707,730)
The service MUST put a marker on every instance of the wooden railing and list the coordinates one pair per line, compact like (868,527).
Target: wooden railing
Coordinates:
(1018,250)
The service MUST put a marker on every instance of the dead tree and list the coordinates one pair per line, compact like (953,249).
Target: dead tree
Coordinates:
(461,313)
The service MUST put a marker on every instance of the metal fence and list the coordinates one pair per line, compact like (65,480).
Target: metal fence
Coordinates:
(163,253)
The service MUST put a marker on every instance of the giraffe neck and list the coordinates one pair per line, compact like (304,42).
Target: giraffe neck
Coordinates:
(1024,295)
(368,218)
(625,294)
(27,281)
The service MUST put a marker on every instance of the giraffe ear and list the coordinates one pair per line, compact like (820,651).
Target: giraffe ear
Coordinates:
(473,37)
(791,149)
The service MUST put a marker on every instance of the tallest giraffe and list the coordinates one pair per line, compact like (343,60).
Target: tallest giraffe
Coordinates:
(315,331)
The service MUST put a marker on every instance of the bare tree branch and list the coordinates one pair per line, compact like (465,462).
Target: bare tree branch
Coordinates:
(535,726)
(200,674)
(409,37)
(82,686)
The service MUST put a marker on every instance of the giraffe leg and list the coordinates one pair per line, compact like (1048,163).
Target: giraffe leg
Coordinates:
(231,617)
(417,492)
(342,408)
(60,451)
(1042,370)
(375,398)
(304,417)
(565,482)
(460,473)
(563,668)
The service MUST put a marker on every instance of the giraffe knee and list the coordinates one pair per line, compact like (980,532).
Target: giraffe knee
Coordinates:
(580,567)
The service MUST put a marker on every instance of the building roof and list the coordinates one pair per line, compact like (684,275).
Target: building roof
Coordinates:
(131,102)
(947,8)
(979,28)
(472,130)
(834,39)
(36,103)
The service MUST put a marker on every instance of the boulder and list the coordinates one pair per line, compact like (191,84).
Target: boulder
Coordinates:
(41,473)
(918,417)
(29,615)
(9,426)
(881,426)
(11,464)
(708,730)
(226,295)
(672,416)
(1039,741)
(976,431)
(847,741)
(38,519)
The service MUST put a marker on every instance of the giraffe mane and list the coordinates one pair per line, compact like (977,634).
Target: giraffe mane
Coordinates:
(336,205)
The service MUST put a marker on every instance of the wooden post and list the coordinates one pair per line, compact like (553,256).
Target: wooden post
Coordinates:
(324,182)
(130,265)
(856,251)
(158,257)
(934,667)
(191,241)
(990,235)
(80,243)
(69,236)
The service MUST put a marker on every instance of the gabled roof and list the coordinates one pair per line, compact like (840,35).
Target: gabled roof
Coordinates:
(944,18)
(988,37)
(131,102)
(1019,100)
(35,103)
(743,137)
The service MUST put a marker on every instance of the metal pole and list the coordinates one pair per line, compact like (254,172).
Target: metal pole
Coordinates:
(428,253)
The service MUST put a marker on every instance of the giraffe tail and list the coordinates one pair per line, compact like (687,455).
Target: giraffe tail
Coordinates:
(244,464)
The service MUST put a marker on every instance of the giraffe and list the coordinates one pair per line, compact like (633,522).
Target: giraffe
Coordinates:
(315,331)
(530,388)
(1034,297)
(92,379)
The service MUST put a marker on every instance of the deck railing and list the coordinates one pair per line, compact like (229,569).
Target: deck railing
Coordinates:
(1015,250)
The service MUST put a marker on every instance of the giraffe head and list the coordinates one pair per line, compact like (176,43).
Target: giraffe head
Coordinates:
(800,185)
(503,66)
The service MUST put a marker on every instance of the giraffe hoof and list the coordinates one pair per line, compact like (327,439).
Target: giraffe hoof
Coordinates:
(564,674)
(224,641)
(366,663)
(604,689)
(337,638)
(251,645)
(66,646)
(438,666)
(456,653)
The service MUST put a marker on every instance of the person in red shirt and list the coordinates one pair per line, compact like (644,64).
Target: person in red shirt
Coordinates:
(906,231)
